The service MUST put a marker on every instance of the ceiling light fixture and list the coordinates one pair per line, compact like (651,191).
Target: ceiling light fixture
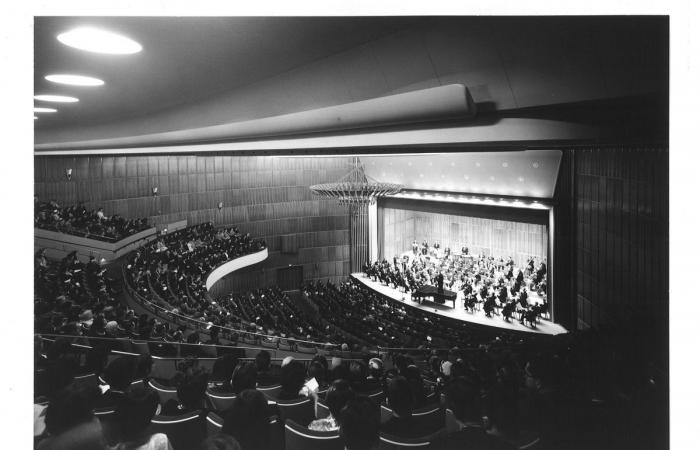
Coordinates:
(35,117)
(44,110)
(99,41)
(56,98)
(74,80)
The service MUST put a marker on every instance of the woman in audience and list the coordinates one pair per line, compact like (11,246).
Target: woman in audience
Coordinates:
(222,372)
(247,420)
(338,395)
(118,375)
(133,416)
(71,423)
(190,394)
(359,424)
(292,380)
(244,377)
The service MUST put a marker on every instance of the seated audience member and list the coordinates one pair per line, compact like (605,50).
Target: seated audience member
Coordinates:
(190,395)
(339,393)
(359,424)
(292,380)
(464,401)
(413,375)
(358,376)
(266,375)
(318,372)
(400,399)
(220,441)
(222,372)
(247,420)
(376,374)
(70,421)
(144,366)
(118,375)
(133,417)
(57,376)
(244,377)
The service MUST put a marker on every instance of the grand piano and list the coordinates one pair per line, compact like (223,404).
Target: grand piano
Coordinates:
(438,296)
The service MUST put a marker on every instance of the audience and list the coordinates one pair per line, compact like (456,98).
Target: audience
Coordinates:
(338,395)
(247,420)
(79,221)
(190,394)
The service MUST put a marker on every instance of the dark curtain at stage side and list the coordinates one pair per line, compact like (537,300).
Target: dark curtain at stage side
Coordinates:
(498,238)
(359,237)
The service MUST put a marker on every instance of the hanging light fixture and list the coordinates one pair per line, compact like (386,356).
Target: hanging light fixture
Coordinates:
(356,189)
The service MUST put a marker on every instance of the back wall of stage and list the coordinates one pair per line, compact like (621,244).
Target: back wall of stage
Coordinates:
(401,223)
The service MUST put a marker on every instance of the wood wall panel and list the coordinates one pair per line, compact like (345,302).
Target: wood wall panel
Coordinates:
(265,196)
(622,236)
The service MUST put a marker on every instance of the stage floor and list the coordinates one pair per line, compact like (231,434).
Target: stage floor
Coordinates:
(543,326)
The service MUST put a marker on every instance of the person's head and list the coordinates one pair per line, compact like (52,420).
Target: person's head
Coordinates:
(223,367)
(400,396)
(358,371)
(96,358)
(317,371)
(244,377)
(339,393)
(143,367)
(220,441)
(292,377)
(359,424)
(120,373)
(135,412)
(191,389)
(70,407)
(463,399)
(262,360)
(376,368)
(247,420)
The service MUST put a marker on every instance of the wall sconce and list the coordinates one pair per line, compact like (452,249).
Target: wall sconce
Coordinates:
(220,205)
(154,191)
(69,174)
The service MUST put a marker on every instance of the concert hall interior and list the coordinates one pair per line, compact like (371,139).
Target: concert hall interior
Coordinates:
(459,225)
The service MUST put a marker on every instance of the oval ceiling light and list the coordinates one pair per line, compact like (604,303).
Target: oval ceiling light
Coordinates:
(74,80)
(99,41)
(56,98)
(44,110)
(35,117)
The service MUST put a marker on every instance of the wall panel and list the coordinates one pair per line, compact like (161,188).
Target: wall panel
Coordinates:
(262,195)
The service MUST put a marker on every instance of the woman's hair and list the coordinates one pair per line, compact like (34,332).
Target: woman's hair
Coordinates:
(244,377)
(191,389)
(292,377)
(339,393)
(223,367)
(247,420)
(359,424)
(135,412)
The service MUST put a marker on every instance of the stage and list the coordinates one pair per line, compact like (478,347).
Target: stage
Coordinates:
(459,313)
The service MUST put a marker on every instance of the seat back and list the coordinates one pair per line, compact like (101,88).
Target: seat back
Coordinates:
(299,410)
(322,410)
(214,424)
(430,419)
(270,392)
(140,347)
(388,442)
(184,432)
(220,401)
(376,396)
(89,380)
(297,437)
(164,392)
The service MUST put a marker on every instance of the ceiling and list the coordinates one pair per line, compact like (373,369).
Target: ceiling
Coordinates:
(185,60)
(531,173)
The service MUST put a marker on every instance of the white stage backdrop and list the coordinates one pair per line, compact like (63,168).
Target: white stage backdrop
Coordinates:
(498,238)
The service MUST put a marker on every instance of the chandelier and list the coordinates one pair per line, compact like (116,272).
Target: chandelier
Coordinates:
(356,188)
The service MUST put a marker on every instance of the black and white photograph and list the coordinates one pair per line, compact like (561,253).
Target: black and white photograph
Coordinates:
(351,231)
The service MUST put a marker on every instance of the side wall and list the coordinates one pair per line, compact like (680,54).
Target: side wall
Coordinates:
(622,237)
(265,196)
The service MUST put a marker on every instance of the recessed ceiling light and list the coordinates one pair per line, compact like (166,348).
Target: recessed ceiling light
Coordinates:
(74,80)
(99,41)
(44,110)
(35,117)
(56,98)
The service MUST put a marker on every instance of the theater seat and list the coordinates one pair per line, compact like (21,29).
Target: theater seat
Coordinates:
(297,437)
(322,410)
(214,423)
(164,392)
(184,432)
(89,380)
(270,392)
(430,418)
(220,401)
(388,442)
(300,410)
